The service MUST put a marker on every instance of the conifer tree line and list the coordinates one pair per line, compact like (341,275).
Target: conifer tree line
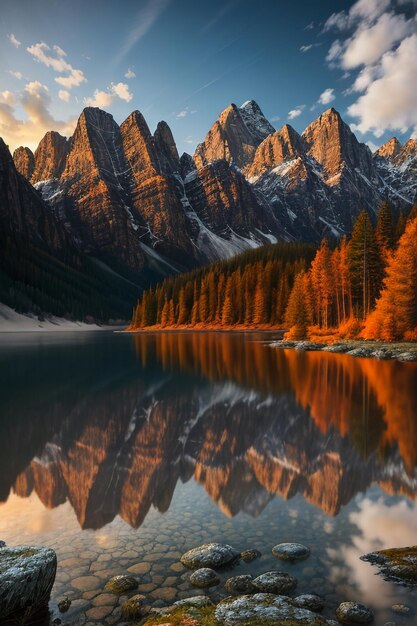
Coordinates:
(251,289)
(365,285)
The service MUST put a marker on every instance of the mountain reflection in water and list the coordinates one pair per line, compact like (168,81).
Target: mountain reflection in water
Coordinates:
(111,426)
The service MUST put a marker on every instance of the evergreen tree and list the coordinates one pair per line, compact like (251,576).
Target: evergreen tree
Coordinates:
(395,315)
(365,266)
(296,313)
(384,232)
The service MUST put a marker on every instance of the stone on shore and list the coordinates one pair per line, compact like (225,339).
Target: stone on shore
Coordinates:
(204,577)
(351,613)
(240,584)
(120,584)
(291,551)
(309,601)
(265,609)
(213,555)
(27,575)
(275,582)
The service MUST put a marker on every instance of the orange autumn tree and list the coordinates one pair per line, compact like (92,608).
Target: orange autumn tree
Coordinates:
(395,314)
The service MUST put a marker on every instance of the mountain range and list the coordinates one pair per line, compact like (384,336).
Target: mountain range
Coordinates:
(125,198)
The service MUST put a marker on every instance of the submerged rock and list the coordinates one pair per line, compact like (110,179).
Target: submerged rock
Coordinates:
(396,564)
(309,601)
(275,582)
(291,551)
(402,609)
(132,608)
(354,613)
(265,609)
(210,555)
(204,577)
(64,605)
(27,575)
(250,555)
(240,584)
(120,584)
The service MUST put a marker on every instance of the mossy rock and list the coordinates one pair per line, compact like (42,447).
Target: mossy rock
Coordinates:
(183,614)
(396,564)
(266,609)
(121,584)
(133,608)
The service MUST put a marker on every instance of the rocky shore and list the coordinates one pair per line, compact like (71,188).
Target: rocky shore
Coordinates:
(271,598)
(404,352)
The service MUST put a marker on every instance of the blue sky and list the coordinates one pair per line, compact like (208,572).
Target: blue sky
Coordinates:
(184,61)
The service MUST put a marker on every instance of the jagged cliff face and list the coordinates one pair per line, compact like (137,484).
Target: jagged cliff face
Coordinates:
(397,167)
(22,211)
(318,182)
(153,162)
(91,195)
(24,161)
(50,157)
(124,194)
(235,136)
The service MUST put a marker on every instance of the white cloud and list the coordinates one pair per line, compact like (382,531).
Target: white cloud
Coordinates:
(189,139)
(390,101)
(7,97)
(13,40)
(64,95)
(100,99)
(276,118)
(296,111)
(17,75)
(327,96)
(56,60)
(378,45)
(75,79)
(186,111)
(130,74)
(106,98)
(368,44)
(121,90)
(35,101)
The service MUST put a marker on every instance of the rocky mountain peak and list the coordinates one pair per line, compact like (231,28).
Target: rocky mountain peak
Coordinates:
(187,164)
(138,146)
(166,148)
(390,149)
(50,157)
(282,145)
(235,136)
(409,151)
(331,143)
(24,161)
(255,120)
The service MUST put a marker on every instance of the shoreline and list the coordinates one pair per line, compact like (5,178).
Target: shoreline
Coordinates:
(382,350)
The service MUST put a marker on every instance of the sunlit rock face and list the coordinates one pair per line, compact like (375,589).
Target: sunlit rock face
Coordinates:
(246,434)
(24,161)
(234,136)
(91,195)
(50,157)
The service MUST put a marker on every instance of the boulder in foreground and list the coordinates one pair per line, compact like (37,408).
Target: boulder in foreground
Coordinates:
(26,577)
(213,555)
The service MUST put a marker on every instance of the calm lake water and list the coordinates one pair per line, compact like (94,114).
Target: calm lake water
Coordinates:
(123,451)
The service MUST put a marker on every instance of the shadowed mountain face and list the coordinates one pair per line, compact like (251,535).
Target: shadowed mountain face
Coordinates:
(122,419)
(126,196)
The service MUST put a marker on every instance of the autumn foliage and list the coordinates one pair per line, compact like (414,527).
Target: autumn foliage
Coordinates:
(365,285)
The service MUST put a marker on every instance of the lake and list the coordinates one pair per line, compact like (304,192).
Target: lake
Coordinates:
(123,451)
